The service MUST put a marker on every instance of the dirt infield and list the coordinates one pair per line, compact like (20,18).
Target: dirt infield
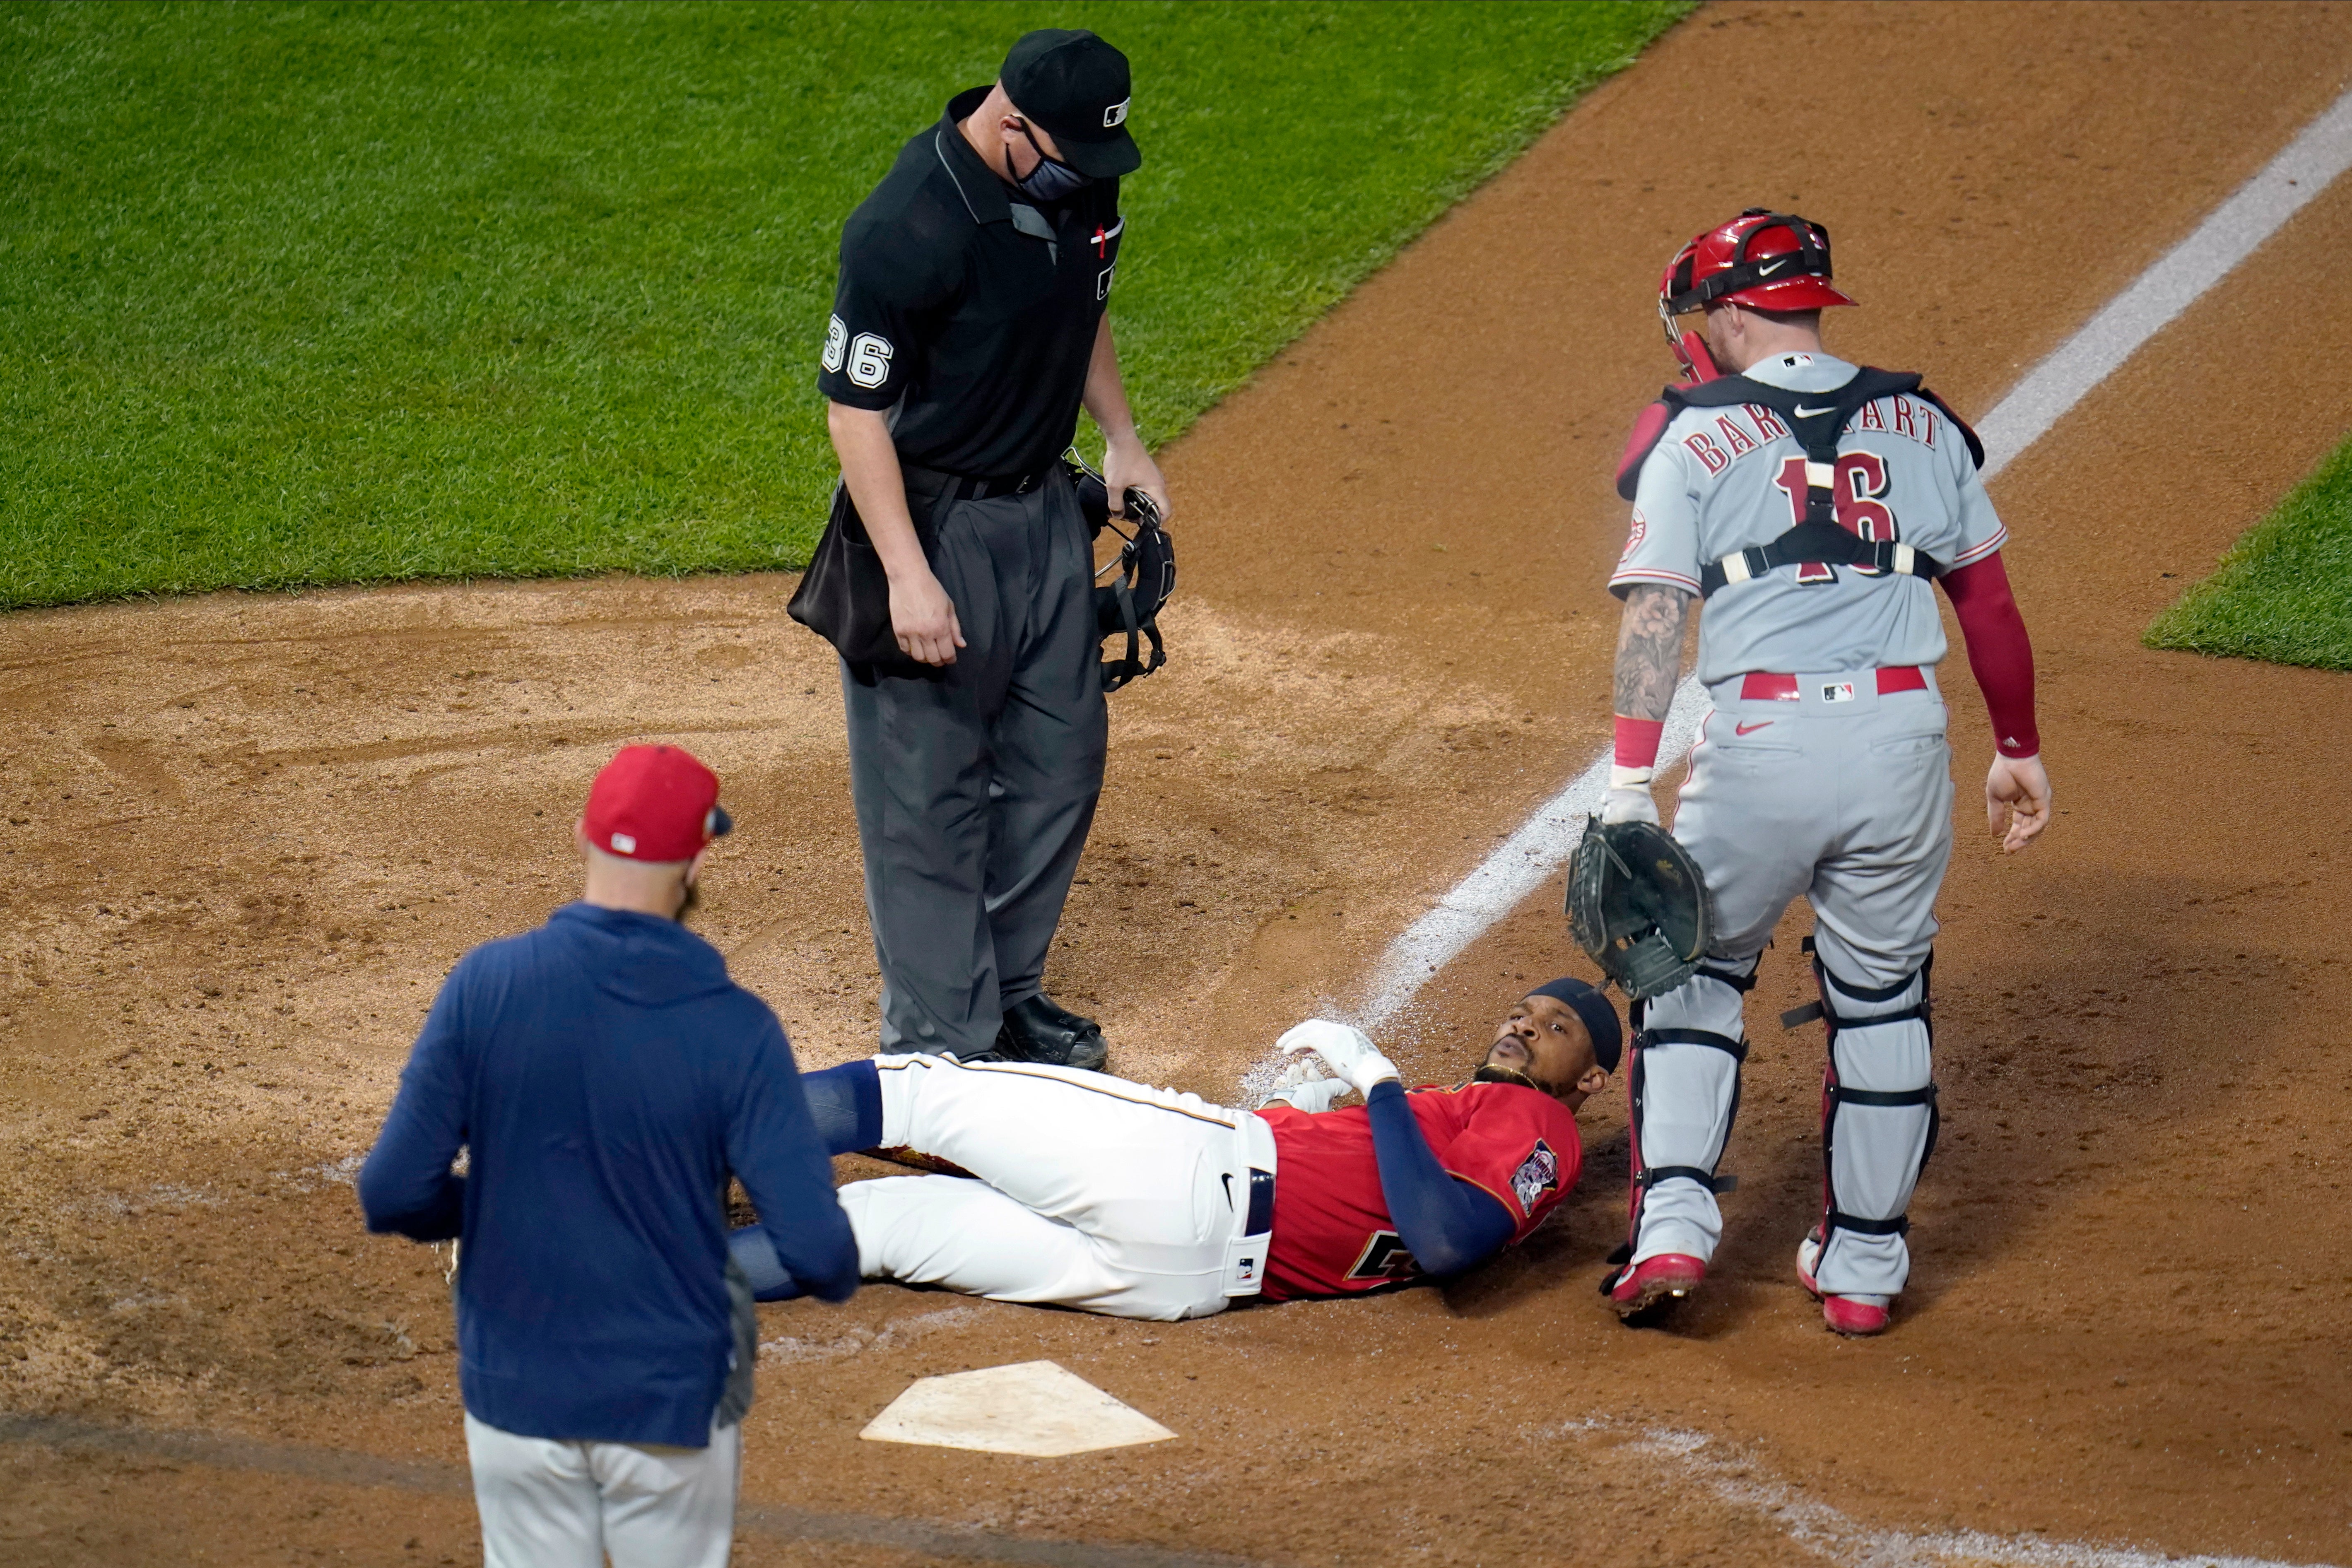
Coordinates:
(246,836)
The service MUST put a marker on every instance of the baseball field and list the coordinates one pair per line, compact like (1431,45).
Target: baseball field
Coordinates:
(2284,591)
(249,832)
(305,295)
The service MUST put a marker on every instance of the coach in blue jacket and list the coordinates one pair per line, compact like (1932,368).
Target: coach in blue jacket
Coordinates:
(606,1077)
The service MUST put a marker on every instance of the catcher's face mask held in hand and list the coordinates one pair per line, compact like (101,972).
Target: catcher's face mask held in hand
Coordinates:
(1142,576)
(1639,905)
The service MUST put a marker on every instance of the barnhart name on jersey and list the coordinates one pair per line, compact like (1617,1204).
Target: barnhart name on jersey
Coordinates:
(1731,440)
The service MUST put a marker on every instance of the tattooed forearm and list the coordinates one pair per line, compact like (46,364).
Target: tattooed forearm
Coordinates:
(1650,650)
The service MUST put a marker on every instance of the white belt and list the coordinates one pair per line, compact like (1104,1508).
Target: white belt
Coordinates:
(1251,1192)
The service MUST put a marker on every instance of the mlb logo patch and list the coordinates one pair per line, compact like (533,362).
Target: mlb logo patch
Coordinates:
(1838,691)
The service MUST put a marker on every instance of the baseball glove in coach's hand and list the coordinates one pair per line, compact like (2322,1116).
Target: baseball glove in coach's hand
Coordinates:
(1639,905)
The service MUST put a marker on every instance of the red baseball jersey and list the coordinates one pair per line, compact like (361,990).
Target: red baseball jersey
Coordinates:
(1332,1232)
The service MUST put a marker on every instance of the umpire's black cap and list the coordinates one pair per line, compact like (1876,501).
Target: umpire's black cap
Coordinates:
(1075,88)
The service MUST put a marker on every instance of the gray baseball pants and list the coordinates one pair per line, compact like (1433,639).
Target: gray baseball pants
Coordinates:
(550,1504)
(1844,796)
(975,784)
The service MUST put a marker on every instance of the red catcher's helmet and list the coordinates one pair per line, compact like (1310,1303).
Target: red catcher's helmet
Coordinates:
(1772,261)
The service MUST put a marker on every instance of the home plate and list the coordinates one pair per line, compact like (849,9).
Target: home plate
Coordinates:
(1032,1407)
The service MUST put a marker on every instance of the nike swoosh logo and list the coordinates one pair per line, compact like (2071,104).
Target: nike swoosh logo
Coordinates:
(1743,728)
(1805,413)
(1775,267)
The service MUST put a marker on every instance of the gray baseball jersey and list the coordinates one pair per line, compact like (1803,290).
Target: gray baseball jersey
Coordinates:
(1721,479)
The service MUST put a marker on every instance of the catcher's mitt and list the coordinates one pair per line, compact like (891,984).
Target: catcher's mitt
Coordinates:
(1639,905)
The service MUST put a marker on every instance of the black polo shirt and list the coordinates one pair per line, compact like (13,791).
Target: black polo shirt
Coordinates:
(967,309)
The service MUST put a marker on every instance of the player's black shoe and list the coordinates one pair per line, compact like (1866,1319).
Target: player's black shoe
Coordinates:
(1037,1030)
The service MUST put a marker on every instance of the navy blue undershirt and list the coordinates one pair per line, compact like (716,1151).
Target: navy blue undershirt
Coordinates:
(1446,1224)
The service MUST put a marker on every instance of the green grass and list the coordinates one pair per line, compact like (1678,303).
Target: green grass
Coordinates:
(322,294)
(2283,593)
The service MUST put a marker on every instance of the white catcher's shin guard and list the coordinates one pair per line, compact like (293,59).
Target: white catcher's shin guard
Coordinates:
(1878,1127)
(1683,1081)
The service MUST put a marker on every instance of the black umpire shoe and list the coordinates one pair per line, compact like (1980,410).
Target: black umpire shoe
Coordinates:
(1038,1031)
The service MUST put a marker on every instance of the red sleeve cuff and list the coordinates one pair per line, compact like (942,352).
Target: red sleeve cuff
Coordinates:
(1637,742)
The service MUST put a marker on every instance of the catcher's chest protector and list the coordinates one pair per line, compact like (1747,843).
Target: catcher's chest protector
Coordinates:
(1816,419)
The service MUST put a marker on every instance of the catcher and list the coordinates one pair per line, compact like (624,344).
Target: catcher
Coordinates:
(1810,504)
(1060,1186)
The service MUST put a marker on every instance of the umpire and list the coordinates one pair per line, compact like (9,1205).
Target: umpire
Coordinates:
(606,1077)
(969,327)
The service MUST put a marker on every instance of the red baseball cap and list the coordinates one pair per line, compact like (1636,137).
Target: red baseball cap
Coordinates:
(654,804)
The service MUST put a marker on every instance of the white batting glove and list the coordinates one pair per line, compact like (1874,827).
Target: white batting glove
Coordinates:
(1629,797)
(1346,1051)
(1313,1099)
(1304,1084)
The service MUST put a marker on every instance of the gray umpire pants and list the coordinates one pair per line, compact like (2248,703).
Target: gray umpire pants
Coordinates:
(975,784)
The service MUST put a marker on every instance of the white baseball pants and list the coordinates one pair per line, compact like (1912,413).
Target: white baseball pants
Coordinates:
(1093,1192)
(550,1504)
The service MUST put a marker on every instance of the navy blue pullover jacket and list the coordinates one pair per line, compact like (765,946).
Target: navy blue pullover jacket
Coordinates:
(606,1076)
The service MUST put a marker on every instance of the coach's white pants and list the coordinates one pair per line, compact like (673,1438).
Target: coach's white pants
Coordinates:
(549,1504)
(1093,1192)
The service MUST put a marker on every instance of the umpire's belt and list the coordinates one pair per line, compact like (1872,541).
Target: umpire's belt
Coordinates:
(937,487)
(1249,1189)
(1758,687)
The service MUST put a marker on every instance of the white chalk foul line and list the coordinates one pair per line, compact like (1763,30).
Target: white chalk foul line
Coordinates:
(1518,866)
(2235,229)
(1842,1539)
(2233,232)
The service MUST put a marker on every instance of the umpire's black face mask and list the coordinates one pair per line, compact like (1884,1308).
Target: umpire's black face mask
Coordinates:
(1052,180)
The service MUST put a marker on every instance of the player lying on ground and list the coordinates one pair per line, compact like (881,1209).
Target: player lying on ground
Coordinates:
(1088,1191)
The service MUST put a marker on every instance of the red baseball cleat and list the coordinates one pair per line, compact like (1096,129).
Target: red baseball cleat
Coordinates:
(1855,1315)
(1667,1276)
